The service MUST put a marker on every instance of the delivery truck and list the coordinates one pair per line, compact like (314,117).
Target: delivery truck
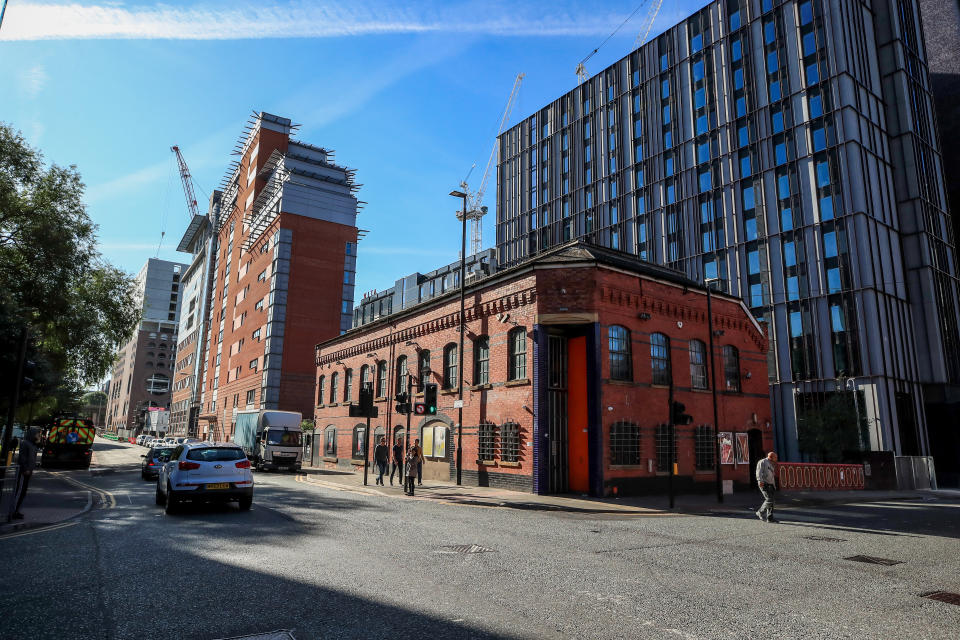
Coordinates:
(271,439)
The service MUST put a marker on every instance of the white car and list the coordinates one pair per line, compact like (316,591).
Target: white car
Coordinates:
(207,472)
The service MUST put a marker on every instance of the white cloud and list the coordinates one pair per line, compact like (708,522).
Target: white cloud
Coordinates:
(35,21)
(33,80)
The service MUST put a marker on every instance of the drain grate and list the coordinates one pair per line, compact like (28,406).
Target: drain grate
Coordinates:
(465,548)
(872,560)
(824,539)
(943,596)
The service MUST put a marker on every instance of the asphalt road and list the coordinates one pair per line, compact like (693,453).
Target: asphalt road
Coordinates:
(335,564)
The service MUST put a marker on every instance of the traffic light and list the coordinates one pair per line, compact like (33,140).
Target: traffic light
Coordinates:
(403,403)
(677,415)
(430,399)
(365,408)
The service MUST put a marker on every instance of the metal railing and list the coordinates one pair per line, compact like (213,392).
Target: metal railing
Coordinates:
(808,476)
(8,488)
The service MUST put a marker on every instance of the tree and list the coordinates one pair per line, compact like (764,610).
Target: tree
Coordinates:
(829,431)
(306,425)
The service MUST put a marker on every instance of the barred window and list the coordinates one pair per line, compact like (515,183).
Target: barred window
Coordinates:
(481,362)
(423,367)
(731,367)
(334,386)
(450,364)
(660,358)
(330,441)
(704,448)
(401,374)
(624,443)
(698,364)
(382,379)
(663,448)
(510,442)
(487,433)
(517,340)
(619,345)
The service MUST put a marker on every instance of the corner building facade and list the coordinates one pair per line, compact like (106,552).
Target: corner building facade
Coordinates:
(570,362)
(784,152)
(284,266)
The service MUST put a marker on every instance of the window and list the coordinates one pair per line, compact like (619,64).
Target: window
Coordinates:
(256,335)
(450,366)
(382,379)
(660,358)
(423,367)
(664,444)
(481,362)
(401,384)
(619,346)
(487,441)
(731,368)
(698,365)
(517,339)
(510,442)
(334,386)
(254,363)
(321,389)
(624,443)
(434,441)
(348,384)
(359,442)
(251,397)
(705,448)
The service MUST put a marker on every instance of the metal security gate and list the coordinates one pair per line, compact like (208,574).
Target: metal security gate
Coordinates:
(557,412)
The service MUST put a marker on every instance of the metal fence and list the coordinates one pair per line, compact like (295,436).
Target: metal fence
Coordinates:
(808,476)
(916,472)
(8,486)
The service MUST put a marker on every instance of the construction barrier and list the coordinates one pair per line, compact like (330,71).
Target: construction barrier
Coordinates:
(808,476)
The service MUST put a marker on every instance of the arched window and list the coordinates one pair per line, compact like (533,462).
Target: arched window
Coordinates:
(348,385)
(433,439)
(334,386)
(401,374)
(510,442)
(660,358)
(398,437)
(698,364)
(330,441)
(731,367)
(382,379)
(322,390)
(450,366)
(364,375)
(359,442)
(481,363)
(487,441)
(378,433)
(517,341)
(619,345)
(624,443)
(423,367)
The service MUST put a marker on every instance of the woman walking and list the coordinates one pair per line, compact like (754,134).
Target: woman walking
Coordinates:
(381,456)
(410,470)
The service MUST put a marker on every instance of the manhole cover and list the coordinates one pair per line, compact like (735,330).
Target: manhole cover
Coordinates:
(824,539)
(872,560)
(465,548)
(943,596)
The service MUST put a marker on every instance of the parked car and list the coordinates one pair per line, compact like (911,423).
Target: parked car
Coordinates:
(153,460)
(204,471)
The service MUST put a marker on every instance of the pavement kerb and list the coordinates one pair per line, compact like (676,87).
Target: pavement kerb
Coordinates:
(45,523)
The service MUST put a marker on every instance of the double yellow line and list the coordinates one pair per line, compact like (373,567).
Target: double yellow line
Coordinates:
(62,525)
(106,498)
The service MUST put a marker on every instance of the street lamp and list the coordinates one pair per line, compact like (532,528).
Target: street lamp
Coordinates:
(463,277)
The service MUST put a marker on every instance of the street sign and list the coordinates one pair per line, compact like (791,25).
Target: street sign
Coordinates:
(458,404)
(420,408)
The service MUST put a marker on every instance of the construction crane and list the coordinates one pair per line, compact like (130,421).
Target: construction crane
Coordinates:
(645,26)
(187,183)
(475,208)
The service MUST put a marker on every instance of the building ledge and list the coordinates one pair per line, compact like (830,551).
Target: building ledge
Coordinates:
(511,465)
(481,387)
(517,383)
(328,459)
(334,404)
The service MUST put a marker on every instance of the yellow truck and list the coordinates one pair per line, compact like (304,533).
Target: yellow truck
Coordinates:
(69,443)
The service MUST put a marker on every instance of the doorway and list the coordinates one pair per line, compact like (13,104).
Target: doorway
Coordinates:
(755,444)
(578,449)
(558,477)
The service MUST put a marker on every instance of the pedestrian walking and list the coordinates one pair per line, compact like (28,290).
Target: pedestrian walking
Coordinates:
(27,462)
(767,482)
(381,456)
(397,465)
(410,471)
(420,461)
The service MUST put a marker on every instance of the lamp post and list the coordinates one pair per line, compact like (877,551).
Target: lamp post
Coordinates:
(463,277)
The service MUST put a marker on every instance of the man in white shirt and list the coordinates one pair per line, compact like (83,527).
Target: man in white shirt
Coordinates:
(767,481)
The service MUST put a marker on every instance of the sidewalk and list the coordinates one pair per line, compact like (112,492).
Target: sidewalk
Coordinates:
(575,503)
(49,500)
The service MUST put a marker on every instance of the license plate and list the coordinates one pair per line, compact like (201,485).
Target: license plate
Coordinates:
(219,485)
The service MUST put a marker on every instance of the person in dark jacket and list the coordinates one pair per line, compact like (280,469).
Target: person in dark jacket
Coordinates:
(397,465)
(27,462)
(381,456)
(410,472)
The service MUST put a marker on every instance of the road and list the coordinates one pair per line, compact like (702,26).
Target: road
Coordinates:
(334,564)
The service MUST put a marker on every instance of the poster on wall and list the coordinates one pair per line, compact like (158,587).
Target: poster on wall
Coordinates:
(726,447)
(743,450)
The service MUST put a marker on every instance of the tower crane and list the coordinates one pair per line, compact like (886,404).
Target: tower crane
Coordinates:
(475,209)
(645,26)
(187,180)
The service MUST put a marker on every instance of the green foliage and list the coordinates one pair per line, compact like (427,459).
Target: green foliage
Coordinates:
(77,307)
(826,432)
(307,425)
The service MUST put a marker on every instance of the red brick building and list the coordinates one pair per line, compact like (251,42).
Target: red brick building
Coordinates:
(284,264)
(570,361)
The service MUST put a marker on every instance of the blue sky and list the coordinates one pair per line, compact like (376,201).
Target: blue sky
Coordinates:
(408,94)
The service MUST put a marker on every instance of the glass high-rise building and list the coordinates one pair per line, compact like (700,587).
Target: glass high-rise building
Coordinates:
(785,151)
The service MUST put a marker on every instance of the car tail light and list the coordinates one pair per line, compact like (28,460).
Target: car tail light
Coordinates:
(152,464)
(243,464)
(187,466)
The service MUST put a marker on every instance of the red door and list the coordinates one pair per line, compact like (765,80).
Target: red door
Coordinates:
(578,443)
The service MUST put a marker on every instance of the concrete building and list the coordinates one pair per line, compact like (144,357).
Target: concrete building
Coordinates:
(418,287)
(283,273)
(785,152)
(144,366)
(194,330)
(570,362)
